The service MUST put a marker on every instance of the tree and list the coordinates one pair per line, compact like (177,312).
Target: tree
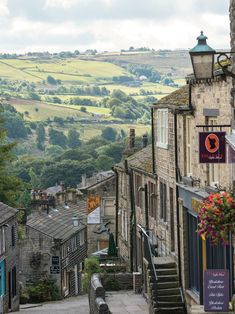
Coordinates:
(41,135)
(53,151)
(109,133)
(73,139)
(104,162)
(51,80)
(9,184)
(57,138)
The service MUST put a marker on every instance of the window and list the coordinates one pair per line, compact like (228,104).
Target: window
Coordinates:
(82,237)
(162,128)
(74,243)
(13,278)
(188,146)
(152,200)
(138,193)
(163,201)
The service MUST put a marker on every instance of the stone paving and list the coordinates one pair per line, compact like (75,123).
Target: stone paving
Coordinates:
(125,302)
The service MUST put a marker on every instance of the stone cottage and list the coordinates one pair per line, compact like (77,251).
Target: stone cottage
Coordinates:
(55,244)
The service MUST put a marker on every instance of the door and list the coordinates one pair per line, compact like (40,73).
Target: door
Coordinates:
(9,290)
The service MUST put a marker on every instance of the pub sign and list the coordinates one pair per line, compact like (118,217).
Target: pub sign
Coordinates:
(212,147)
(216,290)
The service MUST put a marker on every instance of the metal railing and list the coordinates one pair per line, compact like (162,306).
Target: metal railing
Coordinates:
(147,251)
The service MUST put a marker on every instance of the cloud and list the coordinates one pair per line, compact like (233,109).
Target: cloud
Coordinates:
(111,24)
(3,8)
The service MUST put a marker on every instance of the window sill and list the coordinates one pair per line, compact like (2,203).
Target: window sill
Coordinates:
(162,145)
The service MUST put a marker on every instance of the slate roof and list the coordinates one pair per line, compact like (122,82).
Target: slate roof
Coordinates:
(180,97)
(141,160)
(58,224)
(6,212)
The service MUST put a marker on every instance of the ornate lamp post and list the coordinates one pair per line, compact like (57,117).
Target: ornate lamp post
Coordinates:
(202,57)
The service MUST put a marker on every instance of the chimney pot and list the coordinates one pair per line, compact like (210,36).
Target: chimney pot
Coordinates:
(145,140)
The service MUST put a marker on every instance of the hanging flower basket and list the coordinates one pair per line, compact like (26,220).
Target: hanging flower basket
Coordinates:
(217,217)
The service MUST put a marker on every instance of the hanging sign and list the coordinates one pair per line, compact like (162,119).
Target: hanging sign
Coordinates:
(212,147)
(93,209)
(216,290)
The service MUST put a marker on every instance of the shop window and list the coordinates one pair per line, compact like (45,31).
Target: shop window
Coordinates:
(162,128)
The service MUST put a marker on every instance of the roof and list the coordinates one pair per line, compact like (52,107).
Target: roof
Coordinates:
(58,224)
(180,97)
(97,184)
(53,189)
(97,178)
(141,160)
(6,212)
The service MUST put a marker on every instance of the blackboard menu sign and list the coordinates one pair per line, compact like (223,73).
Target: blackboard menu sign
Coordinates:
(216,290)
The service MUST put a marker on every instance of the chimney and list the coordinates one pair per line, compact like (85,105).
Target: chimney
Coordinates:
(145,140)
(132,138)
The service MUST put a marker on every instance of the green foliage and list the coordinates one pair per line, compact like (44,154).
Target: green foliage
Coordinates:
(73,139)
(109,134)
(41,135)
(113,150)
(53,151)
(44,290)
(92,266)
(14,124)
(51,80)
(104,162)
(34,96)
(57,138)
(110,283)
(34,179)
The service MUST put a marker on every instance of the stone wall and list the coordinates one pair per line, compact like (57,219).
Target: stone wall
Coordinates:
(97,302)
(124,280)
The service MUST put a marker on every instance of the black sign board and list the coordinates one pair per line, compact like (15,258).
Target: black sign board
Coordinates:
(216,290)
(212,147)
(55,269)
(55,260)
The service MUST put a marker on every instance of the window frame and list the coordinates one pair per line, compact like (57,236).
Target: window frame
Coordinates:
(162,128)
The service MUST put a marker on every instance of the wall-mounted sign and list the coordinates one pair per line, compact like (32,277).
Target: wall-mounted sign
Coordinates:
(93,209)
(55,270)
(212,147)
(55,260)
(216,290)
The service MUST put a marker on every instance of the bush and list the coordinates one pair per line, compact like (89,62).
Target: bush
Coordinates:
(44,290)
(92,266)
(110,283)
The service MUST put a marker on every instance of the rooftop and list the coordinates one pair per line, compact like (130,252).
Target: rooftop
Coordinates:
(6,212)
(141,160)
(58,223)
(180,97)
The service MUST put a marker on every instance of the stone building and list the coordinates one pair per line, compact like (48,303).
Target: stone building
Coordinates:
(9,260)
(55,244)
(99,193)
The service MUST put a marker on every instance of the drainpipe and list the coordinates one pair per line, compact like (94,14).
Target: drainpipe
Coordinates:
(146,208)
(116,204)
(133,232)
(177,197)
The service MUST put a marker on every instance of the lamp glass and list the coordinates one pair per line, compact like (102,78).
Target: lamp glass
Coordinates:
(203,65)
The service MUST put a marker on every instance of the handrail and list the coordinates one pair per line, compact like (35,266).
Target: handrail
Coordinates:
(151,262)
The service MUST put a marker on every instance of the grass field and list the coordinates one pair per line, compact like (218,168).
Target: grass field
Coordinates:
(69,71)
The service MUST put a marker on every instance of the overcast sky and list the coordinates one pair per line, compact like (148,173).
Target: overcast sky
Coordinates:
(56,25)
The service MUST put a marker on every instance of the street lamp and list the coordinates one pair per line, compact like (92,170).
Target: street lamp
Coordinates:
(202,57)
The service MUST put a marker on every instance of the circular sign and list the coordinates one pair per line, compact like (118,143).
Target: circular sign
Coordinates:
(212,143)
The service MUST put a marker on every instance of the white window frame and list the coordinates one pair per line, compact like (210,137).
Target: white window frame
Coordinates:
(162,128)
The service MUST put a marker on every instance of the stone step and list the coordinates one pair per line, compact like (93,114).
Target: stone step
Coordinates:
(167,310)
(170,304)
(166,271)
(168,278)
(171,291)
(167,284)
(165,265)
(164,262)
(169,298)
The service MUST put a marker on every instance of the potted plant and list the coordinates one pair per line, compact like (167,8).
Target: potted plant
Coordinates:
(217,217)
